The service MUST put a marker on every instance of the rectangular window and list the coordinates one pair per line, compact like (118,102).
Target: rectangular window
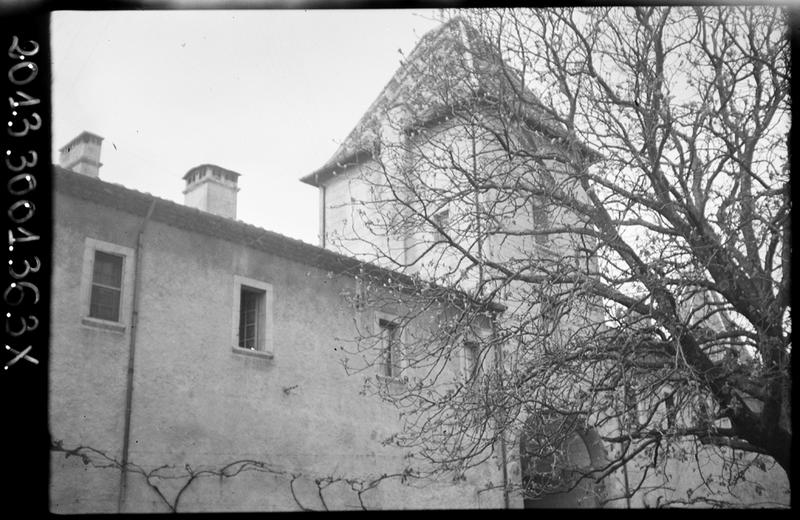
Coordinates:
(539,210)
(106,285)
(441,219)
(540,222)
(390,348)
(471,359)
(550,315)
(251,318)
(669,406)
(632,405)
(106,293)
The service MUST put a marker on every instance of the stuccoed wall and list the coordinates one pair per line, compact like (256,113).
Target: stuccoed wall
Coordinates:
(87,365)
(715,476)
(683,475)
(197,402)
(346,229)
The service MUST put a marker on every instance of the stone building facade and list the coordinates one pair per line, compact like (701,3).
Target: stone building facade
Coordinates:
(187,339)
(152,365)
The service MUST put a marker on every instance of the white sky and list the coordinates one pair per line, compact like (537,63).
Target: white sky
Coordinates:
(268,94)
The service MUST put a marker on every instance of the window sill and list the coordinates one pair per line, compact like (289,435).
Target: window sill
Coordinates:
(254,353)
(397,380)
(110,326)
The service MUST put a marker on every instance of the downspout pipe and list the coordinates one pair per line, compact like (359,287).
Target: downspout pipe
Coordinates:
(498,348)
(123,481)
(625,477)
(503,448)
(322,215)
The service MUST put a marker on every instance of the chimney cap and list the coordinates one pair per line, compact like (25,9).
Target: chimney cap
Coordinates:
(214,167)
(83,136)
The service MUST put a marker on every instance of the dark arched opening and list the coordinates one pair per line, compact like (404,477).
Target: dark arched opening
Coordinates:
(556,455)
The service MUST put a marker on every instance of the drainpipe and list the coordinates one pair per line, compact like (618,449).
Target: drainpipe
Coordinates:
(479,238)
(503,449)
(498,358)
(504,455)
(123,481)
(498,349)
(322,215)
(627,485)
(623,428)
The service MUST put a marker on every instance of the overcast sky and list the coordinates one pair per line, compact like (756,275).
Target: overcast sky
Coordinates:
(268,94)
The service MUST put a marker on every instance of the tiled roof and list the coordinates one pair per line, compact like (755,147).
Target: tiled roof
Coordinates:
(192,219)
(457,43)
(362,137)
(183,217)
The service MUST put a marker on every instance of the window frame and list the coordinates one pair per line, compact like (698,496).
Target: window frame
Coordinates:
(470,373)
(540,213)
(241,283)
(442,219)
(401,364)
(251,317)
(91,246)
(633,406)
(540,220)
(117,289)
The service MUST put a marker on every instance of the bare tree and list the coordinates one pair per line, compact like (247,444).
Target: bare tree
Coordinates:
(610,188)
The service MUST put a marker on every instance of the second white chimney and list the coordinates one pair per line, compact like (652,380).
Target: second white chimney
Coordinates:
(213,189)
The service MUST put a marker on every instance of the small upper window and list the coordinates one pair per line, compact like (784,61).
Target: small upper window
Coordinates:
(390,348)
(540,220)
(442,220)
(106,283)
(539,209)
(106,286)
(551,312)
(251,318)
(670,411)
(633,405)
(471,360)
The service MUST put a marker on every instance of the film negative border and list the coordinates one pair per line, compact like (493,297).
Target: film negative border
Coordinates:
(27,211)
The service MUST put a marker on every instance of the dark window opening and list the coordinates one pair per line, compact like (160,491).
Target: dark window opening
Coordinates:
(669,404)
(251,319)
(471,355)
(106,286)
(540,220)
(441,219)
(390,345)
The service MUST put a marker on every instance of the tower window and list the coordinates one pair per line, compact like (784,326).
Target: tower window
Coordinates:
(471,358)
(670,411)
(390,348)
(540,220)
(540,211)
(442,220)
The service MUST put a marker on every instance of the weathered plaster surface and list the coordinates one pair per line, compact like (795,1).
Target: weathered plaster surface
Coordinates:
(197,401)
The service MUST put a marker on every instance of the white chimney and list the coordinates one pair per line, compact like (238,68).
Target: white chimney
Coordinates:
(82,154)
(213,189)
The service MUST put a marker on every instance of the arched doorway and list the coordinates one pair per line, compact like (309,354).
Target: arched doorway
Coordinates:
(555,456)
